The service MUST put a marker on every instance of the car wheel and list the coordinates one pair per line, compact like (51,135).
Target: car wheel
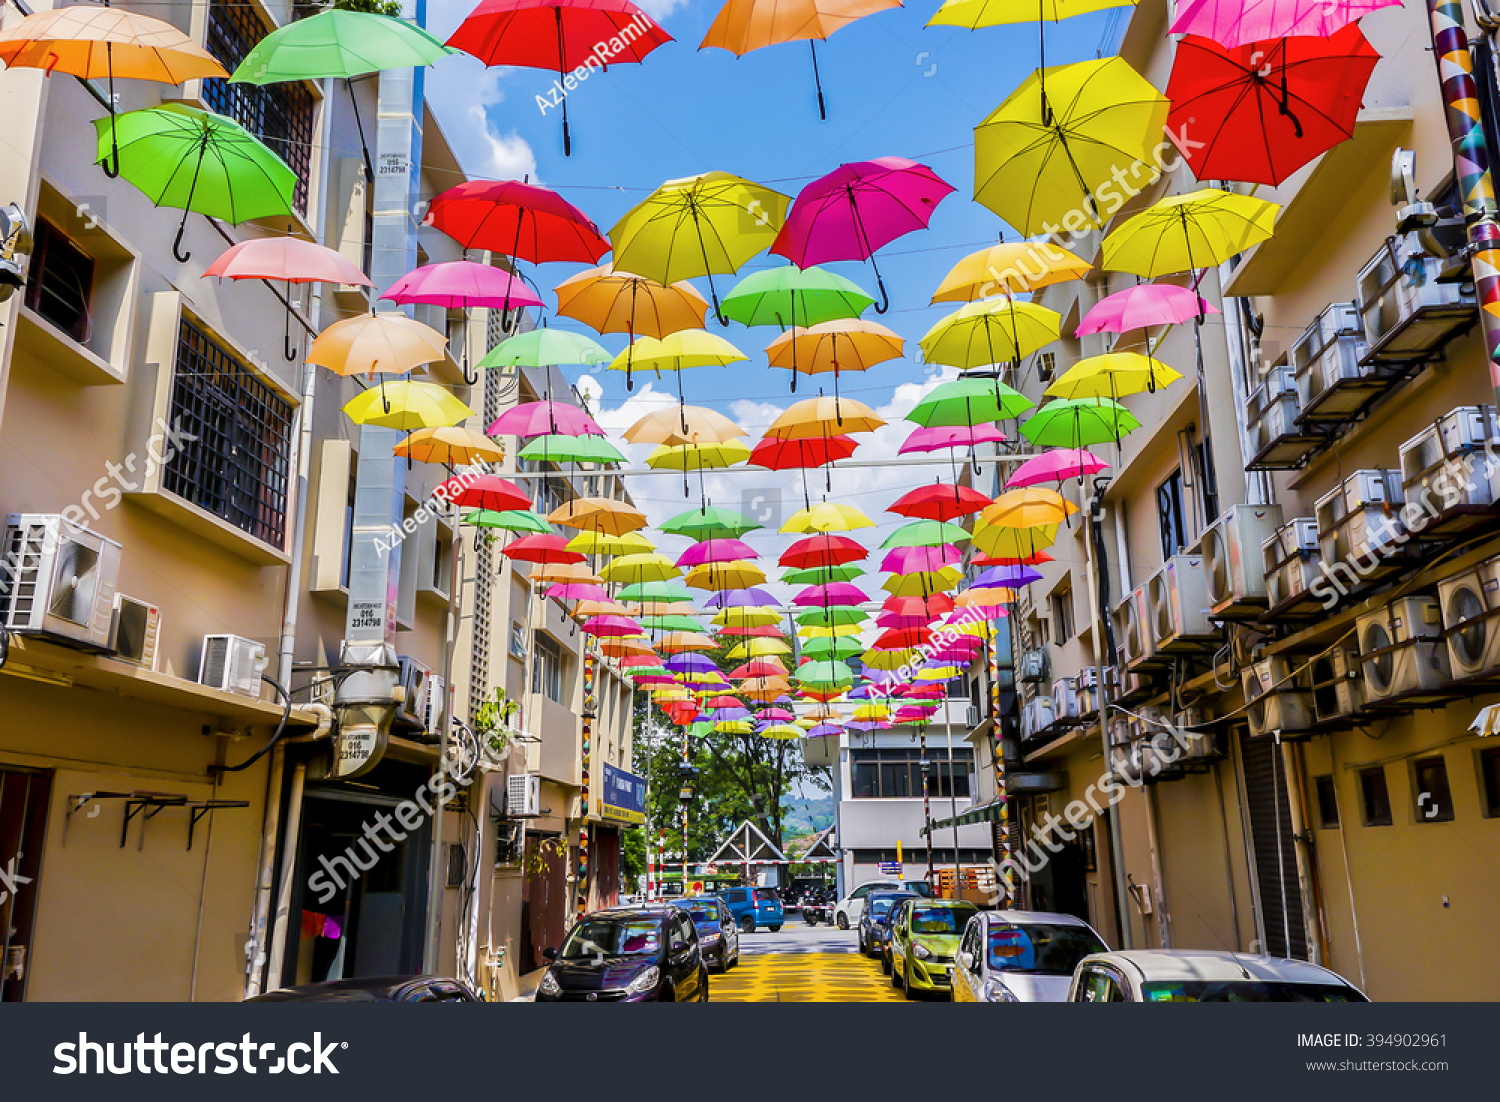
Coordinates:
(731,963)
(885,963)
(906,990)
(703,986)
(747,924)
(810,918)
(775,929)
(891,971)
(862,949)
(841,920)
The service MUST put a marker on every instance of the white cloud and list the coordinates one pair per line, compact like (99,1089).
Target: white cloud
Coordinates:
(463,94)
(660,9)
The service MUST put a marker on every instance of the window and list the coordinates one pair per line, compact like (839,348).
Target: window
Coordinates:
(1062,615)
(952,779)
(1430,795)
(1046,366)
(349,519)
(1097,986)
(1374,797)
(517,639)
(61,282)
(1489,780)
(896,773)
(1208,489)
(236,434)
(281,115)
(1169,515)
(1328,803)
(546,669)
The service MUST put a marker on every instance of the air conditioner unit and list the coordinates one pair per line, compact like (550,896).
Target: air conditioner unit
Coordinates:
(133,631)
(412,708)
(1233,573)
(523,795)
(1292,558)
(232,664)
(1036,716)
(1446,465)
(1179,606)
(1332,383)
(1361,517)
(1401,650)
(972,718)
(1405,311)
(1275,700)
(1337,684)
(1198,742)
(1128,762)
(1133,634)
(1121,731)
(435,704)
(58,580)
(1065,698)
(1469,602)
(1276,441)
(1035,665)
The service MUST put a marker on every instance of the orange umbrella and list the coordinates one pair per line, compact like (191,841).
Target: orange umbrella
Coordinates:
(686,641)
(683,425)
(608,301)
(845,344)
(455,447)
(563,572)
(598,514)
(387,343)
(820,416)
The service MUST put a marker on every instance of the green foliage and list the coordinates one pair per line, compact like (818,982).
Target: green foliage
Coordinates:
(494,716)
(372,7)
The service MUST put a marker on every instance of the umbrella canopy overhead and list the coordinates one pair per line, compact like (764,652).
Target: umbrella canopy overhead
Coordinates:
(1112,375)
(451,446)
(609,301)
(544,418)
(406,406)
(103,43)
(559,448)
(820,416)
(790,296)
(1182,233)
(483,491)
(1009,268)
(391,344)
(1144,306)
(1057,465)
(683,425)
(709,522)
(286,259)
(990,331)
(338,43)
(962,403)
(1240,22)
(598,514)
(937,437)
(459,284)
(939,502)
(542,347)
(827,516)
(1078,422)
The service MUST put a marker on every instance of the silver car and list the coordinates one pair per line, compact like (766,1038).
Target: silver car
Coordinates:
(1020,956)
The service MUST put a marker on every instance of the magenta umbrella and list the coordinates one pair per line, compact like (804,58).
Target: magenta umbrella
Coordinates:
(578,591)
(827,596)
(546,418)
(717,550)
(1234,23)
(459,285)
(775,715)
(1144,306)
(1057,465)
(911,560)
(955,436)
(857,208)
(611,626)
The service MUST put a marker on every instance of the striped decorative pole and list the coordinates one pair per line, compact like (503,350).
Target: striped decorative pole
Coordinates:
(583,831)
(1471,164)
(1006,875)
(926,796)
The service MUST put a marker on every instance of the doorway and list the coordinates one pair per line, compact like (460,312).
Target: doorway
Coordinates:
(23,829)
(544,898)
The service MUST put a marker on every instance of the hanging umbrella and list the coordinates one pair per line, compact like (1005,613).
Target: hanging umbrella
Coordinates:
(822,550)
(677,352)
(544,418)
(698,226)
(685,641)
(1044,153)
(591,607)
(823,417)
(936,437)
(566,572)
(683,425)
(558,36)
(990,331)
(857,208)
(640,568)
(511,520)
(1032,507)
(846,344)
(1258,112)
(618,302)
(1006,577)
(546,347)
(827,516)
(339,44)
(962,403)
(925,533)
(912,559)
(745,25)
(1058,466)
(1009,268)
(449,445)
(820,575)
(462,285)
(991,601)
(483,491)
(781,731)
(756,648)
(789,296)
(90,43)
(597,543)
(939,502)
(1144,306)
(598,514)
(1240,22)
(922,582)
(541,548)
(407,406)
(1078,422)
(722,549)
(660,590)
(1015,543)
(741,598)
(746,616)
(289,260)
(832,616)
(570,449)
(1182,233)
(521,220)
(826,596)
(193,160)
(613,627)
(775,454)
(367,344)
(736,574)
(711,522)
(1112,375)
(761,667)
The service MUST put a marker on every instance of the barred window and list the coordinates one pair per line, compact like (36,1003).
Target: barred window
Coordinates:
(281,115)
(236,434)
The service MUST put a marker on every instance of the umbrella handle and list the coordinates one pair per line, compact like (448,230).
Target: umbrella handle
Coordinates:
(182,257)
(291,350)
(470,378)
(114,142)
(812,44)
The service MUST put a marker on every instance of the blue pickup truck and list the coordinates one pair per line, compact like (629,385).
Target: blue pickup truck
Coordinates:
(754,907)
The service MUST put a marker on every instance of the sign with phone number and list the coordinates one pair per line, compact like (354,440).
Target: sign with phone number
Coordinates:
(624,796)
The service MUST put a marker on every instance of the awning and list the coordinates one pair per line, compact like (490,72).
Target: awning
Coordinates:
(983,813)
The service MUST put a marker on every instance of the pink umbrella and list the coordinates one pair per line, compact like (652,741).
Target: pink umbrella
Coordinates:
(910,560)
(1144,306)
(611,626)
(717,550)
(578,591)
(835,593)
(957,436)
(545,418)
(857,208)
(1057,465)
(290,260)
(776,715)
(458,284)
(1234,23)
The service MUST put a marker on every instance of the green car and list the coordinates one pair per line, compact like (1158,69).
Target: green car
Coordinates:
(924,938)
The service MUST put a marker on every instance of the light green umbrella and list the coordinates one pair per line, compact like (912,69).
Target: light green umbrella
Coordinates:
(670,623)
(821,575)
(825,673)
(832,616)
(655,591)
(827,647)
(194,160)
(968,402)
(512,520)
(789,297)
(343,44)
(1078,422)
(546,347)
(710,522)
(925,533)
(571,449)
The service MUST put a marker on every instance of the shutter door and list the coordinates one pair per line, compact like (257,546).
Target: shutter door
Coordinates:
(1275,853)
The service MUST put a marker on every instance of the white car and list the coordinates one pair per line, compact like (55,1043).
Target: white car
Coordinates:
(1021,956)
(848,910)
(1198,975)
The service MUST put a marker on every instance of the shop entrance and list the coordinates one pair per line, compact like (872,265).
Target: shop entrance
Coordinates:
(23,827)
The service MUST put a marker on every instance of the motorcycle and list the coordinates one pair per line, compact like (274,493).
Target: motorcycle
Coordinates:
(817,906)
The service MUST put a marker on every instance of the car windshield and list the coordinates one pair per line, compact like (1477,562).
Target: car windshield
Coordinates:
(881,906)
(1247,991)
(940,920)
(613,937)
(765,895)
(1040,948)
(703,916)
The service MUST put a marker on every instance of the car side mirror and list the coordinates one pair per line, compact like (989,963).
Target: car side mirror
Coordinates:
(549,954)
(965,959)
(679,947)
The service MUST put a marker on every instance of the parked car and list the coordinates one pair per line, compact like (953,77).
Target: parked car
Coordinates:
(924,938)
(754,907)
(718,936)
(1194,975)
(1021,956)
(875,922)
(628,954)
(383,989)
(846,913)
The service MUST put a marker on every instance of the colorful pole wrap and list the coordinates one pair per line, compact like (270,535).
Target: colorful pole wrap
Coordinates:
(583,831)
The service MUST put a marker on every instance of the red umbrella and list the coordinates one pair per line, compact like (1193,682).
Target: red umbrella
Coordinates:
(857,208)
(1258,112)
(519,220)
(901,638)
(560,36)
(823,549)
(486,491)
(760,667)
(940,502)
(541,547)
(775,454)
(1033,559)
(925,608)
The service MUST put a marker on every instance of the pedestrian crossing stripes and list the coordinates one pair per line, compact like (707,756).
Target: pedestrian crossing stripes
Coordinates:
(809,976)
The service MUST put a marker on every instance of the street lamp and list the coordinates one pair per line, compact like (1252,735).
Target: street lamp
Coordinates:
(687,775)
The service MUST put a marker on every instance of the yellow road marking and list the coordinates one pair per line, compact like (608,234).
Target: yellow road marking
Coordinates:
(804,977)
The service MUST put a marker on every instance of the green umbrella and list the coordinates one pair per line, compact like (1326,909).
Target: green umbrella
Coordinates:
(821,575)
(570,449)
(925,533)
(825,673)
(343,44)
(825,647)
(968,402)
(195,160)
(790,297)
(1078,422)
(710,522)
(831,616)
(701,729)
(670,623)
(546,347)
(655,591)
(512,520)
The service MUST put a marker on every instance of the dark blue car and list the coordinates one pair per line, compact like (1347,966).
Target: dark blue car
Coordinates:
(875,922)
(754,907)
(716,930)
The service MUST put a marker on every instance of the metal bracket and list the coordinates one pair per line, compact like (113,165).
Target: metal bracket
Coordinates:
(198,810)
(83,799)
(152,804)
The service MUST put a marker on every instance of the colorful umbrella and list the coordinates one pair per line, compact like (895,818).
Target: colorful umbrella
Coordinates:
(1182,233)
(827,516)
(936,437)
(598,543)
(541,548)
(1078,422)
(1009,268)
(511,520)
(407,406)
(1112,375)
(598,514)
(919,558)
(711,522)
(822,550)
(721,549)
(449,445)
(543,347)
(846,344)
(677,352)
(790,296)
(617,302)
(570,449)
(962,403)
(820,575)
(990,331)
(1144,306)
(1058,466)
(683,425)
(823,417)
(544,418)
(939,502)
(1240,22)
(370,344)
(925,533)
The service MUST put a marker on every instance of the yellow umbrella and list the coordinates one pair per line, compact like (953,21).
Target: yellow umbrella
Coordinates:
(698,457)
(923,583)
(783,731)
(406,406)
(735,574)
(1184,232)
(696,226)
(597,543)
(559,573)
(368,344)
(990,331)
(832,631)
(888,659)
(1031,507)
(670,692)
(1112,375)
(746,616)
(683,425)
(757,647)
(820,416)
(598,514)
(453,446)
(1046,158)
(871,711)
(608,301)
(1001,542)
(827,516)
(1009,268)
(677,352)
(685,641)
(630,569)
